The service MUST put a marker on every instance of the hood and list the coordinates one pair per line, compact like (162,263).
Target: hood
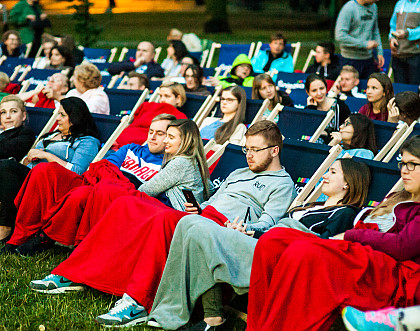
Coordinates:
(241,59)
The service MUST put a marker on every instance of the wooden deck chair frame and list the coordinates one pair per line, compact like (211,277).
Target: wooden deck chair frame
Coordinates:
(155,96)
(24,87)
(2,59)
(217,154)
(125,122)
(398,144)
(158,50)
(38,53)
(24,73)
(308,60)
(15,72)
(307,189)
(209,106)
(322,126)
(204,58)
(202,108)
(217,71)
(124,51)
(112,82)
(124,80)
(277,109)
(296,51)
(258,116)
(217,45)
(28,49)
(391,142)
(210,144)
(112,55)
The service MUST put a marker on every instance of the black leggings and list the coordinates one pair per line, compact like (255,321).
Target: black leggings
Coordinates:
(12,176)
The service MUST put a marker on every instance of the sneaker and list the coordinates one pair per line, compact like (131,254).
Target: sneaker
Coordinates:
(8,249)
(54,284)
(152,322)
(37,244)
(203,326)
(126,312)
(380,320)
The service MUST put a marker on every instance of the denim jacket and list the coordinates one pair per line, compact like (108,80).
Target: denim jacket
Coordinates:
(78,156)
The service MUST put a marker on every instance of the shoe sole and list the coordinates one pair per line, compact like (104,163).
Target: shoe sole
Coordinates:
(347,324)
(154,324)
(137,321)
(60,290)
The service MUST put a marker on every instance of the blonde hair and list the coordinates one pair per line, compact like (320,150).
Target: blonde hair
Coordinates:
(15,98)
(351,69)
(177,89)
(4,80)
(191,147)
(88,74)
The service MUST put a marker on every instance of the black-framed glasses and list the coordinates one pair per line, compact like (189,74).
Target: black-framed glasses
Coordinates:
(253,150)
(410,165)
(228,100)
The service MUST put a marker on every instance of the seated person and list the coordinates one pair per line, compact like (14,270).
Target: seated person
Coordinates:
(185,62)
(143,64)
(378,92)
(4,81)
(136,81)
(274,58)
(224,254)
(326,62)
(404,107)
(240,74)
(230,126)
(239,193)
(60,58)
(48,42)
(59,216)
(194,80)
(67,41)
(11,44)
(171,97)
(362,267)
(73,145)
(347,84)
(172,64)
(357,137)
(191,41)
(87,82)
(316,88)
(57,87)
(263,88)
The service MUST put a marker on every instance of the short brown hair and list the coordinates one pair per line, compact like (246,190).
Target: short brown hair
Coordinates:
(278,36)
(269,131)
(9,32)
(4,81)
(163,117)
(143,79)
(88,74)
(351,69)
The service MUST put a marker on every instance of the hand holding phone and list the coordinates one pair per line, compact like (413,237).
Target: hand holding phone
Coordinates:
(189,196)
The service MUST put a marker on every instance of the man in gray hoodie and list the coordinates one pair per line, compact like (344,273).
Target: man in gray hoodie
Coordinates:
(358,34)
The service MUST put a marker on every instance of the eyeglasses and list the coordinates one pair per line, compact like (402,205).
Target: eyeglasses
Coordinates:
(228,100)
(410,165)
(253,150)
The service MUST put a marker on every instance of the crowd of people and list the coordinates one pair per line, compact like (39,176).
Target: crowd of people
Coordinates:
(193,244)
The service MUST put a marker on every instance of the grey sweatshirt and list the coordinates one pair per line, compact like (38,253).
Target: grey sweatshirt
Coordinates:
(267,193)
(356,25)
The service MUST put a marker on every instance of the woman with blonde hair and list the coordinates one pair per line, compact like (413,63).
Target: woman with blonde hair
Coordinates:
(87,80)
(172,93)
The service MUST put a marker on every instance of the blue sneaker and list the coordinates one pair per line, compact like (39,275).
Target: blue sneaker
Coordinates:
(380,320)
(126,312)
(54,284)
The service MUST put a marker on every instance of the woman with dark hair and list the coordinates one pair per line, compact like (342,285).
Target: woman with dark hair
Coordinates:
(357,136)
(194,80)
(404,107)
(176,51)
(263,88)
(362,267)
(60,58)
(73,145)
(316,87)
(378,92)
(230,126)
(11,44)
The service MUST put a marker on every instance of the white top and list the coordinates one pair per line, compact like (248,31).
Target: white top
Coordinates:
(96,100)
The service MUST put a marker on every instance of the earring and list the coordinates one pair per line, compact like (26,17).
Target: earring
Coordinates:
(345,187)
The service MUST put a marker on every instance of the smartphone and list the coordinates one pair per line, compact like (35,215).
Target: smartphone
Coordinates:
(189,196)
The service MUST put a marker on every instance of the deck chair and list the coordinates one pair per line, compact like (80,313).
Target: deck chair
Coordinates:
(228,52)
(125,122)
(15,61)
(98,55)
(288,48)
(392,156)
(205,111)
(218,153)
(387,134)
(106,125)
(120,100)
(36,76)
(291,80)
(255,110)
(299,97)
(353,103)
(193,104)
(308,60)
(399,87)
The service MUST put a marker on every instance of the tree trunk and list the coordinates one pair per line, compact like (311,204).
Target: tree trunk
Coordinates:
(217,17)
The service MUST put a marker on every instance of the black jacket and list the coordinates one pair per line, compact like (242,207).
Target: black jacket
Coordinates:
(151,69)
(16,142)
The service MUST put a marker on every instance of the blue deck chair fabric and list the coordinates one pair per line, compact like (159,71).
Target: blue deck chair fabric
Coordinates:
(301,159)
(355,104)
(291,80)
(397,156)
(383,178)
(131,54)
(7,70)
(154,84)
(383,132)
(399,87)
(37,76)
(96,55)
(208,72)
(106,125)
(197,55)
(252,108)
(38,117)
(14,61)
(233,158)
(120,100)
(299,123)
(248,91)
(228,53)
(192,105)
(105,81)
(299,98)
